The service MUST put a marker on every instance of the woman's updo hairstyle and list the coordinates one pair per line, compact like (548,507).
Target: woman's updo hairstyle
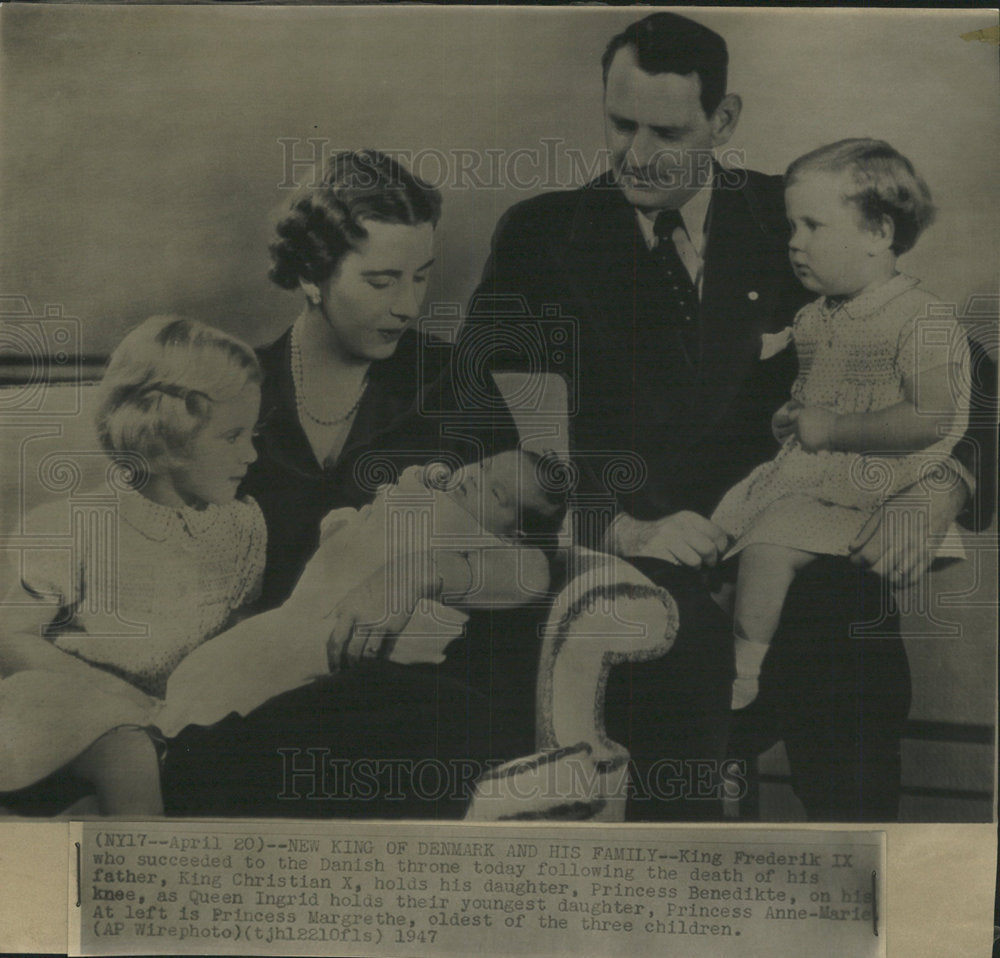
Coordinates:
(885,181)
(326,220)
(160,384)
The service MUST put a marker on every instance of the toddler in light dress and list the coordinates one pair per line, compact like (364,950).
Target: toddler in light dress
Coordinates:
(882,392)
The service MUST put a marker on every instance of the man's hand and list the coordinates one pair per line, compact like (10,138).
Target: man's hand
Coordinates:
(364,618)
(814,427)
(903,558)
(783,421)
(684,538)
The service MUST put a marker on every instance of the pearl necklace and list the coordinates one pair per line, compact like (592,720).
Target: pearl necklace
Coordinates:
(298,376)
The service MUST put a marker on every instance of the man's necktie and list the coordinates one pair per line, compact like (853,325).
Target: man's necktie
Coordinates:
(679,296)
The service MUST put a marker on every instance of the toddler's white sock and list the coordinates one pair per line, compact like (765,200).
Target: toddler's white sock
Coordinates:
(749,656)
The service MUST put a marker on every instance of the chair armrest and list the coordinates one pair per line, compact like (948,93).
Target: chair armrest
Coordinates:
(607,613)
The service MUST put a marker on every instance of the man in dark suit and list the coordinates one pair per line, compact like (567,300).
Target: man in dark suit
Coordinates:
(675,273)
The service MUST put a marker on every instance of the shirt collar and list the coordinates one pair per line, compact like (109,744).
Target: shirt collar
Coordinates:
(694,213)
(871,300)
(159,523)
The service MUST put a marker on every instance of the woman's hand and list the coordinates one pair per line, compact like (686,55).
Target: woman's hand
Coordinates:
(365,617)
(814,427)
(783,421)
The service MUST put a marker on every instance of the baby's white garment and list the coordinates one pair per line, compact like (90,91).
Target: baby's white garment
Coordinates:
(286,648)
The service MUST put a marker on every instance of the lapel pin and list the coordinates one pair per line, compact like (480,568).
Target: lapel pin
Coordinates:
(753,296)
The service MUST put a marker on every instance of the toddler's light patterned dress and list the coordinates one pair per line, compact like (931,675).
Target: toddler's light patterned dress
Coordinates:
(853,358)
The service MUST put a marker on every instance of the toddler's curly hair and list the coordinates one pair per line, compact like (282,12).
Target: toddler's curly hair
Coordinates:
(885,185)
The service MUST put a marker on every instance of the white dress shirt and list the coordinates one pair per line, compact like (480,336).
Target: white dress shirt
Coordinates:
(690,241)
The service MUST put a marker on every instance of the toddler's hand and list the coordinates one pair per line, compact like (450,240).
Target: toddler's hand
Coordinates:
(814,427)
(783,421)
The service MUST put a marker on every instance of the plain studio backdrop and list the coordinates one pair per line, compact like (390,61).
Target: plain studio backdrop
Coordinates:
(146,148)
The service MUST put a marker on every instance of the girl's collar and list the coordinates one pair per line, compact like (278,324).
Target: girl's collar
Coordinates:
(869,300)
(159,523)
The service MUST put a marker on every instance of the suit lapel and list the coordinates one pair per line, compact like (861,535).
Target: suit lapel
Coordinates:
(599,259)
(599,263)
(737,296)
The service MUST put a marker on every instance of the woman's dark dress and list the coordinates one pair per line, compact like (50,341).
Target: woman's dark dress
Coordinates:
(384,740)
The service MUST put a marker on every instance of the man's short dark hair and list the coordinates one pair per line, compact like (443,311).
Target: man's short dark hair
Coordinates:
(668,43)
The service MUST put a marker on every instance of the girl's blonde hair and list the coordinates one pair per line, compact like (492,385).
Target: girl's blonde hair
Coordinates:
(161,382)
(886,184)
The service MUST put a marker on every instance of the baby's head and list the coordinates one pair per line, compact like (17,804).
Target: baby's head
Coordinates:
(517,493)
(853,206)
(182,399)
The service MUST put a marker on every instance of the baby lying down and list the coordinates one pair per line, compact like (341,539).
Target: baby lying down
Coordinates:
(386,581)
